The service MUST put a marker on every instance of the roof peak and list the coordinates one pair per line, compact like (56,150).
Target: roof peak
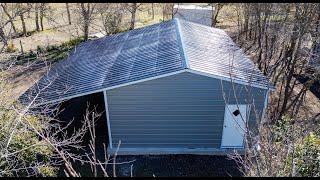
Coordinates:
(181,46)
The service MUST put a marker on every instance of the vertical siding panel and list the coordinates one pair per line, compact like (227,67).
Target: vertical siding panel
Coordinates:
(182,110)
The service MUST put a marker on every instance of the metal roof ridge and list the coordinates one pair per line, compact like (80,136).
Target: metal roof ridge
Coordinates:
(181,45)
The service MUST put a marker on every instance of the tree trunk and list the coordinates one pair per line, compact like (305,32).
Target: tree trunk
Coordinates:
(41,16)
(152,4)
(21,47)
(24,29)
(29,14)
(163,9)
(29,4)
(291,66)
(246,20)
(69,18)
(37,18)
(3,37)
(4,7)
(85,15)
(41,22)
(133,15)
(214,21)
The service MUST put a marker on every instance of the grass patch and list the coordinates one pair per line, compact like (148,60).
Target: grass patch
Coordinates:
(51,53)
(11,48)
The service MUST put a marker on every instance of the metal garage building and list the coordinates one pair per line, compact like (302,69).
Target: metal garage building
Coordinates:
(172,87)
(192,13)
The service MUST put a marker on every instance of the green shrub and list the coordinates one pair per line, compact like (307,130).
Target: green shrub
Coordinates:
(72,42)
(28,150)
(308,156)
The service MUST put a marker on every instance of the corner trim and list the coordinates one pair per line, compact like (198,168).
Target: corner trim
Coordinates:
(181,45)
(108,118)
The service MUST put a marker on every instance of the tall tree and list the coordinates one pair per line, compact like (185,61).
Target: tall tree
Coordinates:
(167,10)
(152,8)
(5,9)
(36,11)
(68,12)
(133,15)
(43,10)
(133,8)
(87,11)
(217,7)
(21,6)
(111,15)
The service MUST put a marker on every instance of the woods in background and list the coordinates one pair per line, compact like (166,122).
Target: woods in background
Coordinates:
(281,39)
(276,35)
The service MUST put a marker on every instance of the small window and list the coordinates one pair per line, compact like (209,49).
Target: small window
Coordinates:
(236,112)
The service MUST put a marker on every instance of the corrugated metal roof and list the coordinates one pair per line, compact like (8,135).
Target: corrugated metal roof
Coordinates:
(211,50)
(139,54)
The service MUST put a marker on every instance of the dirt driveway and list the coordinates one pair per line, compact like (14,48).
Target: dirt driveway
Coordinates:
(177,165)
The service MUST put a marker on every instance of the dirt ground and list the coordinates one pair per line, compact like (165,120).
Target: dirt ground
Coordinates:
(57,29)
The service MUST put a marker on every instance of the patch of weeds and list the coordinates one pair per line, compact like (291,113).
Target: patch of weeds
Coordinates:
(52,53)
(11,48)
(73,42)
(59,55)
(123,29)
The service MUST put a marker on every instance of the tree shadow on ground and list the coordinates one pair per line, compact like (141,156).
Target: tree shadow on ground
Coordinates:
(315,88)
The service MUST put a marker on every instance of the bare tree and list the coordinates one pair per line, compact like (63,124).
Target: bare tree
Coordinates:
(43,10)
(276,34)
(167,10)
(5,9)
(152,10)
(21,10)
(132,8)
(5,35)
(36,9)
(87,12)
(68,12)
(217,7)
(111,16)
(49,139)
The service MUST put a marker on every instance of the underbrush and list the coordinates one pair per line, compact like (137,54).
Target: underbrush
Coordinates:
(51,53)
(290,147)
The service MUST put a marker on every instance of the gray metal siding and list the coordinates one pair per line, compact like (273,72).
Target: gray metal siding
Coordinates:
(179,111)
(199,16)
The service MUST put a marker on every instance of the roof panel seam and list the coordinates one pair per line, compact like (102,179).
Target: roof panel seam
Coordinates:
(181,46)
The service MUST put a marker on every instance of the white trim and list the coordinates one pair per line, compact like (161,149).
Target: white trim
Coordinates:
(113,87)
(264,108)
(181,43)
(158,151)
(108,118)
(224,78)
(262,116)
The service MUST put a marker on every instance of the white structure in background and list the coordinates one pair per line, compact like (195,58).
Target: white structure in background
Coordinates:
(97,35)
(314,60)
(197,14)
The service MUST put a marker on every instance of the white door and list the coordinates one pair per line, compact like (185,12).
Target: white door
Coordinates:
(234,126)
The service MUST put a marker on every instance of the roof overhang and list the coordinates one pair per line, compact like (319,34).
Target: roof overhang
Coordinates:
(228,79)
